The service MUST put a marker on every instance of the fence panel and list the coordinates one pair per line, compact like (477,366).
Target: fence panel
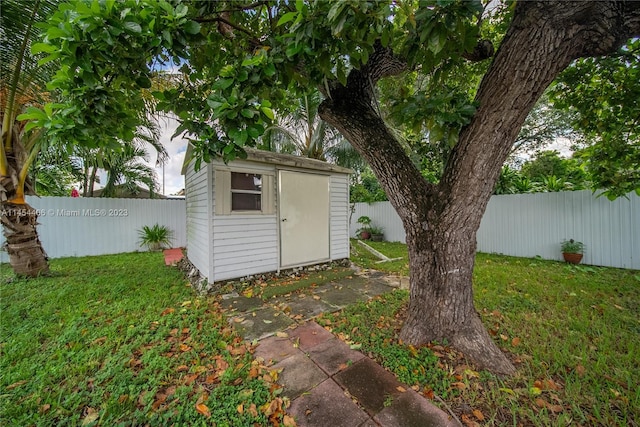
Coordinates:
(97,226)
(529,225)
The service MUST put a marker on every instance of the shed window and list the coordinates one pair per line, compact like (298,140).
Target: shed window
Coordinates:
(246,191)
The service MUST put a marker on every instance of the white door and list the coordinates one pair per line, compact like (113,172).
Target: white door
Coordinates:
(304,218)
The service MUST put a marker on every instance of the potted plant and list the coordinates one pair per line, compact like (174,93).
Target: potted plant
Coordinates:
(365,231)
(572,251)
(377,233)
(155,237)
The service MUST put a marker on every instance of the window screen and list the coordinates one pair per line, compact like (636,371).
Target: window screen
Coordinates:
(246,191)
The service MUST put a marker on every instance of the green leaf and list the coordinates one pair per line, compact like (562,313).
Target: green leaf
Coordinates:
(134,27)
(222,84)
(42,47)
(267,112)
(247,113)
(289,16)
(192,27)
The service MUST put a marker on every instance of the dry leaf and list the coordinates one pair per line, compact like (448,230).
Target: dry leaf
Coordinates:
(580,370)
(91,416)
(282,334)
(167,311)
(478,414)
(288,421)
(238,319)
(203,409)
(253,410)
(401,389)
(515,342)
(184,347)
(44,408)
(16,384)
(459,385)
(240,408)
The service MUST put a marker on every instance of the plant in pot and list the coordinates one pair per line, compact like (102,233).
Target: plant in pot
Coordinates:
(377,233)
(365,230)
(572,251)
(155,237)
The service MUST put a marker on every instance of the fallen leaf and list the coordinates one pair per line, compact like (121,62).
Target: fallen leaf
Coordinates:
(240,408)
(288,421)
(184,347)
(167,311)
(428,393)
(16,384)
(44,408)
(100,340)
(282,334)
(182,368)
(515,342)
(459,385)
(316,297)
(203,409)
(478,414)
(580,370)
(401,389)
(504,337)
(91,416)
(267,321)
(468,421)
(238,319)
(185,304)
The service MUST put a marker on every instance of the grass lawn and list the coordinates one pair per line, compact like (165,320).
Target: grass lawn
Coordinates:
(573,331)
(123,340)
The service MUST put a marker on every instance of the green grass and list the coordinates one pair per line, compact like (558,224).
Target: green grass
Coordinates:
(574,332)
(122,340)
(366,259)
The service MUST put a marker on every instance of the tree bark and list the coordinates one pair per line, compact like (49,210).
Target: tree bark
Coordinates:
(441,221)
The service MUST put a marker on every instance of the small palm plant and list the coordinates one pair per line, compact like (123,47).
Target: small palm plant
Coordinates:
(155,237)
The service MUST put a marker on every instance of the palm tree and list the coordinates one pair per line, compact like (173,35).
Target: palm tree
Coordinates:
(304,133)
(21,85)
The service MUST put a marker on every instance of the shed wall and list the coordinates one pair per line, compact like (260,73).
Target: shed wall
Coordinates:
(244,244)
(339,217)
(198,195)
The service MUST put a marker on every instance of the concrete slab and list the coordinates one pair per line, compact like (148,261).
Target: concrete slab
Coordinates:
(260,324)
(275,349)
(341,296)
(327,405)
(374,287)
(308,307)
(333,356)
(298,375)
(410,409)
(370,384)
(241,303)
(309,335)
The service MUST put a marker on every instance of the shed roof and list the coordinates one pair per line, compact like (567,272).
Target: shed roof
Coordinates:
(260,156)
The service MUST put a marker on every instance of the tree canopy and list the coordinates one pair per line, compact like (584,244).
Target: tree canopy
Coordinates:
(241,58)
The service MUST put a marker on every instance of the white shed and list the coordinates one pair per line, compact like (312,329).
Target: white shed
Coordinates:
(264,214)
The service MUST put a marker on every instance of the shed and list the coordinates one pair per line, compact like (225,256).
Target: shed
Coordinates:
(265,213)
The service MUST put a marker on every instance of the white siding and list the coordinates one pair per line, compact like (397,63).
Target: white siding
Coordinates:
(98,226)
(244,245)
(199,194)
(529,225)
(339,217)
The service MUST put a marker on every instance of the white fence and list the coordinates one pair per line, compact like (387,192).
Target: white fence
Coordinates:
(529,225)
(96,226)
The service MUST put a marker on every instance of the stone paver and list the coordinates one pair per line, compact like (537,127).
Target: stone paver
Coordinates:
(329,384)
(298,375)
(333,356)
(310,410)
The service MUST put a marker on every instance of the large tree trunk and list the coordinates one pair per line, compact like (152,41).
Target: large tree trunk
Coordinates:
(441,221)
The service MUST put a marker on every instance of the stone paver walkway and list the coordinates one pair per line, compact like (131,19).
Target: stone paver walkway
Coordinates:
(329,384)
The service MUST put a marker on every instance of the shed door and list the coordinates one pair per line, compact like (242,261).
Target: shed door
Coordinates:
(304,218)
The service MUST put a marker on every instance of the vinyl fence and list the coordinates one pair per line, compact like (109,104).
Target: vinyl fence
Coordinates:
(97,226)
(530,225)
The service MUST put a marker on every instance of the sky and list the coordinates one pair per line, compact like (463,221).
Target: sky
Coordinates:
(173,180)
